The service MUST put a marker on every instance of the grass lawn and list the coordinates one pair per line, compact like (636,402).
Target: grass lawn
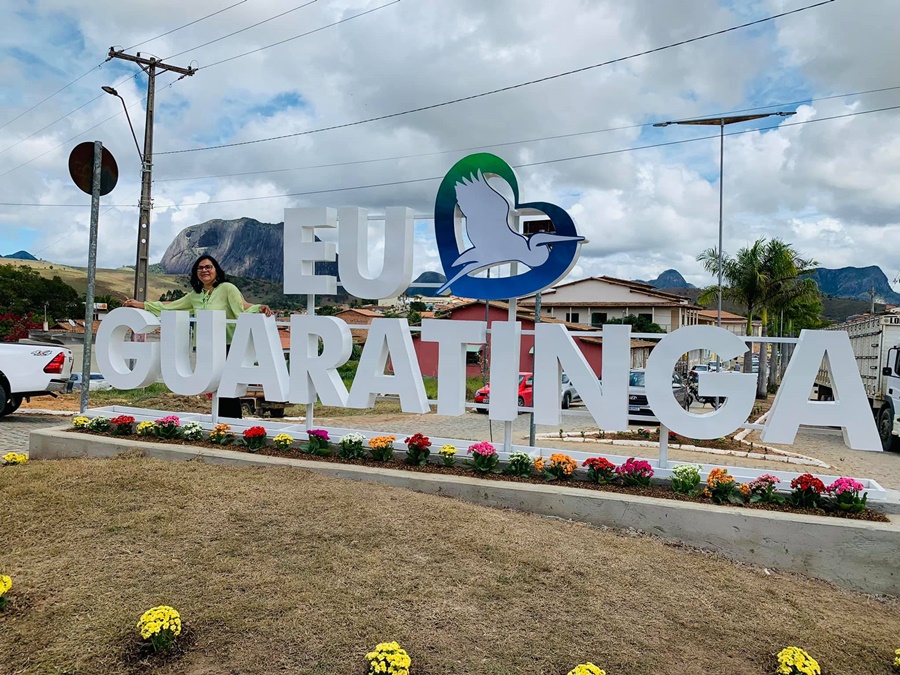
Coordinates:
(286,571)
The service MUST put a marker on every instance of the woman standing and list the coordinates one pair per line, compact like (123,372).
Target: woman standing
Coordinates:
(211,291)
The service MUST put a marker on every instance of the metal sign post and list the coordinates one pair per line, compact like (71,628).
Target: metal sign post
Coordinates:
(100,180)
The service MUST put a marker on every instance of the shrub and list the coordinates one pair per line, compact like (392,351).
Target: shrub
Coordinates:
(448,454)
(13,458)
(220,435)
(721,488)
(795,661)
(5,585)
(484,457)
(762,489)
(283,442)
(845,495)
(122,425)
(318,442)
(145,429)
(686,478)
(192,431)
(351,446)
(160,626)
(586,669)
(600,470)
(807,491)
(520,464)
(635,472)
(560,467)
(417,449)
(254,438)
(388,657)
(168,427)
(382,448)
(99,425)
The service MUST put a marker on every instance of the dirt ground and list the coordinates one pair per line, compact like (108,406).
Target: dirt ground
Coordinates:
(283,570)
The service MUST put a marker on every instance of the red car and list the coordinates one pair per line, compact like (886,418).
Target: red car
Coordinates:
(526,393)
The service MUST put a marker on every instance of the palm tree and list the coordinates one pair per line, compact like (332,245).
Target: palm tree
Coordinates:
(765,275)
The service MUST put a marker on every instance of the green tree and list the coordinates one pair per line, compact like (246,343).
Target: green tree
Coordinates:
(639,324)
(418,305)
(24,290)
(327,310)
(414,318)
(765,276)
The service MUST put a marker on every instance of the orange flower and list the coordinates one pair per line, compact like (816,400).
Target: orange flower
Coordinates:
(718,477)
(539,464)
(565,462)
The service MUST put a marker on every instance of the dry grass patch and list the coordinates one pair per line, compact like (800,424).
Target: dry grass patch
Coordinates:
(283,570)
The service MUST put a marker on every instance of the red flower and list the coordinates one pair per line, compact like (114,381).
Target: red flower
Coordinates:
(122,420)
(419,441)
(254,432)
(599,464)
(808,482)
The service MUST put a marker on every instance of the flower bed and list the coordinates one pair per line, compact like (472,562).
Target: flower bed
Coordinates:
(809,495)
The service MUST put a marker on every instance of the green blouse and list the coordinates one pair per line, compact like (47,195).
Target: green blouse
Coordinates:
(224,296)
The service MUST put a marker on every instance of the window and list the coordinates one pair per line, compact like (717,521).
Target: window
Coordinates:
(573,317)
(473,355)
(648,317)
(598,319)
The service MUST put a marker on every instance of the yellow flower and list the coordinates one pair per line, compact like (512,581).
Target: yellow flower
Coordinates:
(5,583)
(14,458)
(447,450)
(80,422)
(158,619)
(586,669)
(795,661)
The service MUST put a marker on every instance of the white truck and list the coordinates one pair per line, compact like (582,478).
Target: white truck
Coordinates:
(876,344)
(31,369)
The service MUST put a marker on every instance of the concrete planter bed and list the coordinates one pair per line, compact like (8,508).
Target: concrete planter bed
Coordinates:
(857,554)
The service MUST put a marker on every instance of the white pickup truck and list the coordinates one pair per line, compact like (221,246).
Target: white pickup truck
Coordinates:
(31,369)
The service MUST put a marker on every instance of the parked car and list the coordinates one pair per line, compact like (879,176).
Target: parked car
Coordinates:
(695,370)
(568,394)
(639,408)
(98,382)
(526,393)
(29,369)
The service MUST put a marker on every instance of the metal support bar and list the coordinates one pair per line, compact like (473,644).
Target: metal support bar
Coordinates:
(91,275)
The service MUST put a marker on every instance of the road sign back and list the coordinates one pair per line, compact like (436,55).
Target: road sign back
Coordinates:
(81,168)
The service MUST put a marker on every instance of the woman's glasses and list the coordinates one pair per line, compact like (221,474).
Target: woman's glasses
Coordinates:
(205,267)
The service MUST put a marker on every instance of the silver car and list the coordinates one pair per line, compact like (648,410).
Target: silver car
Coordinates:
(639,408)
(568,393)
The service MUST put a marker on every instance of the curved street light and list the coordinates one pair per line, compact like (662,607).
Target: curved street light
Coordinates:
(112,92)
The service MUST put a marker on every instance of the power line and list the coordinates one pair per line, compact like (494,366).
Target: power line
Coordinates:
(42,101)
(296,37)
(259,23)
(515,166)
(517,142)
(547,161)
(174,30)
(493,91)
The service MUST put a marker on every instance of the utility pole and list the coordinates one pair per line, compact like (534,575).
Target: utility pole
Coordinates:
(152,66)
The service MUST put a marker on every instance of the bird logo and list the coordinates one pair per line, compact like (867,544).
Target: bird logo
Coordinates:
(548,255)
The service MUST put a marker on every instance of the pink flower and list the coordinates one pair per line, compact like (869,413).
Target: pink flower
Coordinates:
(171,419)
(318,433)
(484,449)
(842,485)
(635,467)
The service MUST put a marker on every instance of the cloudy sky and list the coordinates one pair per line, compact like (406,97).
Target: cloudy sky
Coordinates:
(829,186)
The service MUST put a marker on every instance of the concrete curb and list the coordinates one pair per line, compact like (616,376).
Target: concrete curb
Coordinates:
(858,555)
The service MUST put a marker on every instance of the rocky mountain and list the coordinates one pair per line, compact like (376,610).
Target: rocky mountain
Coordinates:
(21,255)
(668,279)
(856,283)
(244,247)
(426,278)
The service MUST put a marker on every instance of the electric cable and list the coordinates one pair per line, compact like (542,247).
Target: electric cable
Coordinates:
(174,30)
(259,23)
(492,91)
(310,32)
(515,166)
(517,142)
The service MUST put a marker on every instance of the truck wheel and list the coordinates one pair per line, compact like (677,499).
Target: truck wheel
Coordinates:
(11,406)
(566,401)
(276,412)
(4,399)
(885,426)
(246,409)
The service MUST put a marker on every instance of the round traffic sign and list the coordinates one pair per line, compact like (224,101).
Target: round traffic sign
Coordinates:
(81,168)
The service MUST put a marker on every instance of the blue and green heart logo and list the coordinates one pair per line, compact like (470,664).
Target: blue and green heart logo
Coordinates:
(548,255)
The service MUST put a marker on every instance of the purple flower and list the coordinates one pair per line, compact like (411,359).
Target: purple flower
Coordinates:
(321,434)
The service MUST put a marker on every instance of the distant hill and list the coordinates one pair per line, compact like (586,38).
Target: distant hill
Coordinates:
(21,255)
(668,279)
(426,278)
(856,283)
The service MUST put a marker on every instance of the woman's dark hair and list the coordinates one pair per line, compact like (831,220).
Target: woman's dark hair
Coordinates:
(196,284)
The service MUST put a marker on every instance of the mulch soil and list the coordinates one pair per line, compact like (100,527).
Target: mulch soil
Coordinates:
(654,490)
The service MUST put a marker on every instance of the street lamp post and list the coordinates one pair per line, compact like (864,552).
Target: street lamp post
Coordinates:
(721,122)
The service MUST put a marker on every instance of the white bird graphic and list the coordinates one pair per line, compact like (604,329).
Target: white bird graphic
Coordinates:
(494,242)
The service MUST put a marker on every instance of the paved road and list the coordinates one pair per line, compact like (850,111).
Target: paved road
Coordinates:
(14,429)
